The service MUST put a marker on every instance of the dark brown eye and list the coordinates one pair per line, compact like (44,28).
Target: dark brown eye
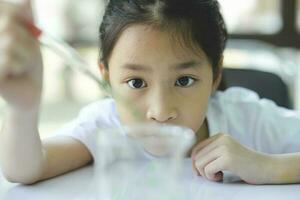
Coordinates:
(136,83)
(185,81)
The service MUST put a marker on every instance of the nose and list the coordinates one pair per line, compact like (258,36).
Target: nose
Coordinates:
(162,109)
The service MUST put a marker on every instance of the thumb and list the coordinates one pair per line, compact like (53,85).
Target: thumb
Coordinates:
(25,11)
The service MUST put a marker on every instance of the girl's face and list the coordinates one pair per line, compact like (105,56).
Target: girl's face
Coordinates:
(166,82)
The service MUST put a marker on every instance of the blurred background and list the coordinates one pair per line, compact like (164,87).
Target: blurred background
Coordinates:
(264,37)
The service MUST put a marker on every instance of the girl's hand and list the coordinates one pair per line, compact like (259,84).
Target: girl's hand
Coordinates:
(221,152)
(20,57)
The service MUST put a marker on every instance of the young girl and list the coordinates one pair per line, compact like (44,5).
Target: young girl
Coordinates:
(165,56)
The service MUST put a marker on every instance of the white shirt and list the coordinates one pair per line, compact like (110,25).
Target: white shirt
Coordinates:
(256,123)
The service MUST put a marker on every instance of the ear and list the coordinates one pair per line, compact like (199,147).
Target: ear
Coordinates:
(218,79)
(104,72)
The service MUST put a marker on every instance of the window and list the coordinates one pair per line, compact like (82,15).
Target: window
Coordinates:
(298,15)
(252,16)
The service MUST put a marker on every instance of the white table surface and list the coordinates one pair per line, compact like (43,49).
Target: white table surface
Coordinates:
(77,185)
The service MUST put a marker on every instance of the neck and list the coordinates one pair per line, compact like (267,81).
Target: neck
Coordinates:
(203,132)
(201,135)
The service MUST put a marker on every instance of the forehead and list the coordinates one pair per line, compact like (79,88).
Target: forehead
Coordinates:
(143,42)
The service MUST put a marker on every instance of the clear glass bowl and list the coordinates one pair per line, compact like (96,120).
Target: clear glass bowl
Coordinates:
(141,161)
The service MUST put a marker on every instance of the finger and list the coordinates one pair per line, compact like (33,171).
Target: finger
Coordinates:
(202,144)
(203,153)
(9,45)
(23,8)
(201,162)
(15,70)
(213,171)
(7,7)
(14,61)
(207,149)
(219,176)
(12,55)
(24,46)
(5,23)
(12,34)
(194,169)
(26,10)
(3,71)
(18,39)
(17,12)
(10,9)
(24,31)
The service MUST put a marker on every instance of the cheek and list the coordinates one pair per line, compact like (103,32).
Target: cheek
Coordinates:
(194,113)
(124,114)
(194,108)
(128,103)
(130,109)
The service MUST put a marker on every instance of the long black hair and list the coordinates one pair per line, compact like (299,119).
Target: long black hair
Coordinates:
(198,23)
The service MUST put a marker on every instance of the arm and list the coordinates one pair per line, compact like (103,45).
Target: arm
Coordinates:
(221,152)
(63,154)
(21,154)
(286,168)
(24,158)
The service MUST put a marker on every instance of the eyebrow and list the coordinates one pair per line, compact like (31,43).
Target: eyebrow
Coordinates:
(188,65)
(180,66)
